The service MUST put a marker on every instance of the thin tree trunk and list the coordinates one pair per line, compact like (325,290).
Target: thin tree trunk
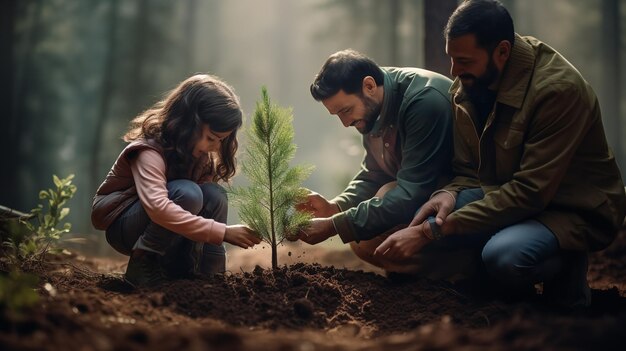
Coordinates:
(8,177)
(105,99)
(190,35)
(18,117)
(213,16)
(394,8)
(272,208)
(283,48)
(140,56)
(612,73)
(436,14)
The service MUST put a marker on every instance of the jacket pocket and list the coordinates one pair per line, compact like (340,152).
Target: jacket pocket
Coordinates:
(508,139)
(508,152)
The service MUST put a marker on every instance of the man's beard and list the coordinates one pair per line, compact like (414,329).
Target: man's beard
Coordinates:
(372,110)
(480,84)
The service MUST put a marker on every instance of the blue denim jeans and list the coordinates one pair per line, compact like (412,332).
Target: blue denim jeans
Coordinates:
(520,255)
(133,229)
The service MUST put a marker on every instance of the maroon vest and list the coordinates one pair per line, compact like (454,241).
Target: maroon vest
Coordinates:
(118,190)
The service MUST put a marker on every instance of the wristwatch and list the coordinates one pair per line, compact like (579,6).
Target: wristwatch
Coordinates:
(435,228)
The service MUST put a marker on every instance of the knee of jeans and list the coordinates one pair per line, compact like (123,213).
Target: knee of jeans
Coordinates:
(504,264)
(186,194)
(216,191)
(215,195)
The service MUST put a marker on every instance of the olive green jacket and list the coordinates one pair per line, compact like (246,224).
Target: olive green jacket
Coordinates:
(411,143)
(542,154)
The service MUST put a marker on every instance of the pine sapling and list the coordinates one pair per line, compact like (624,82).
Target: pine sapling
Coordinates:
(267,204)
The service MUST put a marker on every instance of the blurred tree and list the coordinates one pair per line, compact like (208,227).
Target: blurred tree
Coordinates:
(384,17)
(190,25)
(612,93)
(436,14)
(21,59)
(8,179)
(140,49)
(103,112)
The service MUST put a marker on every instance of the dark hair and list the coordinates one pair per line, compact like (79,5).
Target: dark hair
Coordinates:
(487,19)
(344,70)
(176,124)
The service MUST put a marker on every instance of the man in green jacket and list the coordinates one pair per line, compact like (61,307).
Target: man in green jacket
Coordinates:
(405,117)
(536,186)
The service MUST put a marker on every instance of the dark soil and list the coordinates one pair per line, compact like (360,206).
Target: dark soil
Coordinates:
(306,306)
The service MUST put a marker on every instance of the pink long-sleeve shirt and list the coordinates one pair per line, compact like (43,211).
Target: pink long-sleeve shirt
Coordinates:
(148,170)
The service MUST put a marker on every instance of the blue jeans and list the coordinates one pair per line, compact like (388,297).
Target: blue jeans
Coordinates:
(133,229)
(520,255)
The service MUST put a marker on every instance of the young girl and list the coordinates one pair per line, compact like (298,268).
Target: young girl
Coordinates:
(160,202)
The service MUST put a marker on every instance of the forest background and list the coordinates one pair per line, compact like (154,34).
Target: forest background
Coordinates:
(73,73)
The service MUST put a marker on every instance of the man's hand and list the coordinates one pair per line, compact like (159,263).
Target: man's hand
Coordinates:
(404,243)
(318,206)
(440,205)
(318,230)
(410,240)
(241,236)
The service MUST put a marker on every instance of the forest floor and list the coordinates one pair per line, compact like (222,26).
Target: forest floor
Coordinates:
(319,299)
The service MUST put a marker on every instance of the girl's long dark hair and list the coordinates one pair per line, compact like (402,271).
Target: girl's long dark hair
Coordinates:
(176,124)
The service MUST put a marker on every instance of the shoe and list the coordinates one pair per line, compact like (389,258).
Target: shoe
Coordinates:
(569,290)
(178,262)
(144,269)
(209,260)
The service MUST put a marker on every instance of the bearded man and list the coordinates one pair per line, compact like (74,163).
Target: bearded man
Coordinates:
(535,186)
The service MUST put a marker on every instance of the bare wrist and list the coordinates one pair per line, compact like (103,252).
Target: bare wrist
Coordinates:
(444,191)
(334,208)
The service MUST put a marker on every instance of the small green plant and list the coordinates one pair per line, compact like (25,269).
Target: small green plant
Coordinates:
(41,230)
(26,242)
(17,291)
(267,205)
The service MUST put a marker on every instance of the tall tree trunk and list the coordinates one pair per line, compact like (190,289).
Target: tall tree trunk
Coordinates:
(18,118)
(105,98)
(284,49)
(436,14)
(8,177)
(394,14)
(612,73)
(214,33)
(190,35)
(141,55)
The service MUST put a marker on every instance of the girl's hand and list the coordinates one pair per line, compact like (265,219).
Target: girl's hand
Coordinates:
(241,236)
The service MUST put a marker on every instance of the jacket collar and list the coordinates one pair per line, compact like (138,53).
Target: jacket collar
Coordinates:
(515,79)
(389,110)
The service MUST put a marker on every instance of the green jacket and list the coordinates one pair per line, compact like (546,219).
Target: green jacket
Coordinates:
(411,143)
(542,154)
